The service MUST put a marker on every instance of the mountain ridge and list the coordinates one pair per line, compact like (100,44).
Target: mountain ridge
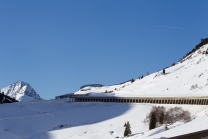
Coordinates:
(21,91)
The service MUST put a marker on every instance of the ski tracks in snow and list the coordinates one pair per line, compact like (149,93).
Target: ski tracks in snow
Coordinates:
(20,117)
(6,130)
(35,110)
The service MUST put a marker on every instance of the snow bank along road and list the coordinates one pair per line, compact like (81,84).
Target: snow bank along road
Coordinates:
(155,100)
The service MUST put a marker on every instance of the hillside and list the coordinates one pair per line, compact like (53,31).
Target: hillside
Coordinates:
(187,78)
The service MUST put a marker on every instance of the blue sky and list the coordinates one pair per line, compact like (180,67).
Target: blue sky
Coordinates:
(58,46)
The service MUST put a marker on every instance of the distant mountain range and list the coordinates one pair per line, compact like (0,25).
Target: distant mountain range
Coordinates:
(21,91)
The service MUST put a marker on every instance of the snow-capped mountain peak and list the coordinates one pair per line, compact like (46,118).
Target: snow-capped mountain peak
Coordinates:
(21,91)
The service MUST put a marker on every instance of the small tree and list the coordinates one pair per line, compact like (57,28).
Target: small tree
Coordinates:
(164,71)
(161,119)
(125,133)
(128,127)
(152,123)
(173,64)
(147,73)
(127,130)
(125,125)
(132,80)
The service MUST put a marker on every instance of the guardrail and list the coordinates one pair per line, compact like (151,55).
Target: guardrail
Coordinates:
(195,135)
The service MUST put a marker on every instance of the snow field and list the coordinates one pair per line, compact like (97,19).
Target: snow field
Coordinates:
(59,119)
(44,119)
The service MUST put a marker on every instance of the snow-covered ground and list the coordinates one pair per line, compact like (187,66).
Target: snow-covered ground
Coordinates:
(60,119)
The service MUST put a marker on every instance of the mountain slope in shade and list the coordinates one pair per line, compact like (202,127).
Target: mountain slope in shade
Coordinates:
(21,91)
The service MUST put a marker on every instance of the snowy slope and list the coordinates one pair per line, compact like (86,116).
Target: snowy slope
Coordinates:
(189,78)
(21,91)
(59,119)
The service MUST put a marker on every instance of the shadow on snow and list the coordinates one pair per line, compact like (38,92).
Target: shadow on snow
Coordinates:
(36,119)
